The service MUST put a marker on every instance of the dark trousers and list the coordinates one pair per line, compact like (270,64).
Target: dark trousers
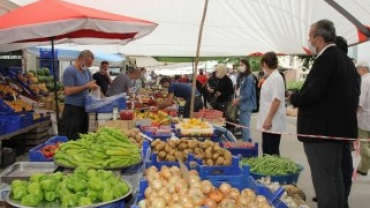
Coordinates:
(326,171)
(198,105)
(75,121)
(271,143)
(347,171)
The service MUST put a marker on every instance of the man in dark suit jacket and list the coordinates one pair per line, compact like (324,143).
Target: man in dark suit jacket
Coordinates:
(327,106)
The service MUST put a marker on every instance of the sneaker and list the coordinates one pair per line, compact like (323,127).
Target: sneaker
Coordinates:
(361,173)
(314,199)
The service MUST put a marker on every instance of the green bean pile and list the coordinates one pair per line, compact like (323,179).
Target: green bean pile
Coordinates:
(271,165)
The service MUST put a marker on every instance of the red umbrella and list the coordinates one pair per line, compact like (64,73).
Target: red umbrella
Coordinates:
(49,20)
(39,21)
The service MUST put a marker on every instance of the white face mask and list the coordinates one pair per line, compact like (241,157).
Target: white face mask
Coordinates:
(242,69)
(312,48)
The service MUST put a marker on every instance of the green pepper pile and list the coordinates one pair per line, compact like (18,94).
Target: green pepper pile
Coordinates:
(82,188)
(271,165)
(108,148)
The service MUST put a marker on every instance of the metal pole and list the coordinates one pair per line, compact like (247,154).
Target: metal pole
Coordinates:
(55,83)
(197,58)
(350,17)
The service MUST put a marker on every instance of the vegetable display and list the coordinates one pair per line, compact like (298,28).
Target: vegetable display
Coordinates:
(106,149)
(209,152)
(167,188)
(82,188)
(49,150)
(271,165)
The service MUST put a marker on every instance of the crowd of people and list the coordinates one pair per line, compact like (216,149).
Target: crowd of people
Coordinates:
(334,101)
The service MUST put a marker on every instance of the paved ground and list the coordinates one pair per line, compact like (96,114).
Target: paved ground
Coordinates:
(290,147)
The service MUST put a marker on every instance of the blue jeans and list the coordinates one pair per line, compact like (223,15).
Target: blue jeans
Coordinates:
(245,119)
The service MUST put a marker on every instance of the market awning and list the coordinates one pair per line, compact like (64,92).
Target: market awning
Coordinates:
(232,28)
(114,59)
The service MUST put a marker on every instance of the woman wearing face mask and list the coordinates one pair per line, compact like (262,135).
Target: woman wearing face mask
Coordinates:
(272,111)
(245,96)
(223,90)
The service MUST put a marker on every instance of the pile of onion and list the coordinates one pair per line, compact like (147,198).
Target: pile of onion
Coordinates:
(168,189)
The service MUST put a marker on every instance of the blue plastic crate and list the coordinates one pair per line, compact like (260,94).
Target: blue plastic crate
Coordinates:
(120,102)
(272,197)
(47,54)
(191,164)
(2,127)
(12,123)
(243,151)
(223,170)
(240,181)
(4,108)
(26,119)
(36,156)
(285,179)
(162,137)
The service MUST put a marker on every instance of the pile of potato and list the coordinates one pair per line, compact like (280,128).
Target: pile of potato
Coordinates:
(134,136)
(209,152)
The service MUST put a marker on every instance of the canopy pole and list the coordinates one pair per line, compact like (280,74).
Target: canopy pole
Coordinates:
(195,71)
(350,17)
(55,84)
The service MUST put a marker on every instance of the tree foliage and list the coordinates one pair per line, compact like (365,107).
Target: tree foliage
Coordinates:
(253,61)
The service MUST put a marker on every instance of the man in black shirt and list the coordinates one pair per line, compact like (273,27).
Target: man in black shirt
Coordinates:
(102,77)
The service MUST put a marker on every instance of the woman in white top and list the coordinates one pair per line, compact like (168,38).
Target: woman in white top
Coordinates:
(272,111)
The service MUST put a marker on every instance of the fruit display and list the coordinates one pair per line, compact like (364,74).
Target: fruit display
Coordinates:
(19,105)
(168,188)
(50,149)
(8,90)
(82,188)
(127,115)
(209,152)
(109,148)
(158,117)
(194,126)
(49,101)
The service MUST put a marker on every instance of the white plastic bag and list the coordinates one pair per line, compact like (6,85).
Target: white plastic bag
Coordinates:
(100,102)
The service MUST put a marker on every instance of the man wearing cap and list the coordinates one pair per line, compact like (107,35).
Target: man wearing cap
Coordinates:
(363,118)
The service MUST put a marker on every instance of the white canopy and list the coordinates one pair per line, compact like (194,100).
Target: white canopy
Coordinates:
(232,27)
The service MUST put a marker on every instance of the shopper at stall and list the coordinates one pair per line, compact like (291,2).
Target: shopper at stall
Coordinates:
(327,106)
(347,161)
(363,118)
(223,91)
(102,77)
(245,97)
(182,90)
(77,82)
(272,111)
(201,85)
(124,82)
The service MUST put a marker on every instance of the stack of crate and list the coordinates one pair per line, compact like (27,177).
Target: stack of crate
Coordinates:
(33,137)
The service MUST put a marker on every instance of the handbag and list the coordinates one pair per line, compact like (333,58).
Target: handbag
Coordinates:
(231,113)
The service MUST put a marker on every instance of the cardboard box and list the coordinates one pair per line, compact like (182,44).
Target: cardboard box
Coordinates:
(121,124)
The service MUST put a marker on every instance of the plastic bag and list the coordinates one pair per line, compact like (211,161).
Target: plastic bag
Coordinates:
(231,112)
(100,102)
(96,93)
